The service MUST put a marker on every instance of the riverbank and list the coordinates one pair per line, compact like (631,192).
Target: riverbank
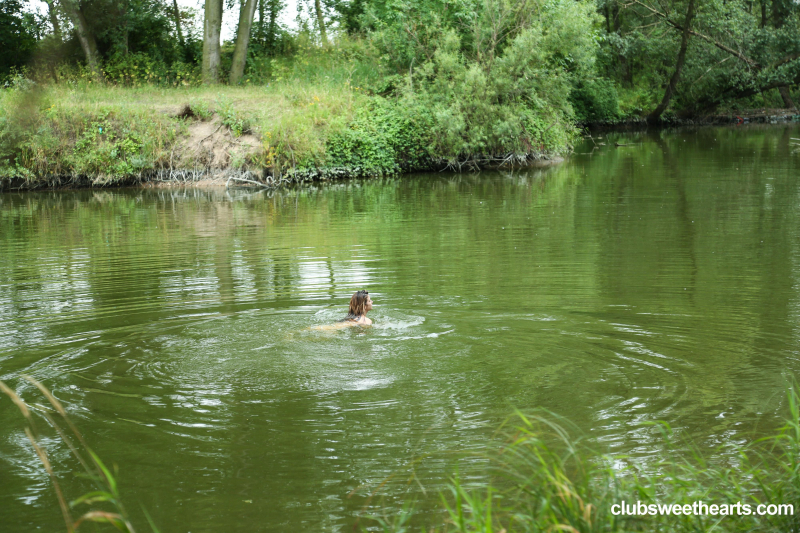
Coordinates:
(736,118)
(280,133)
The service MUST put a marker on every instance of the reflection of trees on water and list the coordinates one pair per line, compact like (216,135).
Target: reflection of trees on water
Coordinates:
(561,287)
(705,248)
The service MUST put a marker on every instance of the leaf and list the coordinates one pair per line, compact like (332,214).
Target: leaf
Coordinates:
(112,483)
(92,497)
(103,517)
(150,521)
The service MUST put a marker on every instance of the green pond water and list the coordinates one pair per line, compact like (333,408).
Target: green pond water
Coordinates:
(655,281)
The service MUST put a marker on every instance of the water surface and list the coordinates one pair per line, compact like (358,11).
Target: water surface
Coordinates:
(654,281)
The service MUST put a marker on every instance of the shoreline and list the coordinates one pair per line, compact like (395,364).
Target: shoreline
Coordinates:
(226,177)
(733,118)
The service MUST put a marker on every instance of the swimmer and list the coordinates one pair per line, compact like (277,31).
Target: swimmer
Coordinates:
(360,305)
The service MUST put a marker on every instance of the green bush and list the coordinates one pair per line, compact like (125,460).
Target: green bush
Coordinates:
(42,142)
(382,139)
(595,101)
(142,69)
(495,79)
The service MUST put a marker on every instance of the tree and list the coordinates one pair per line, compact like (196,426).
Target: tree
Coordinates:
(246,13)
(212,27)
(52,12)
(673,81)
(275,7)
(15,35)
(178,23)
(321,22)
(85,36)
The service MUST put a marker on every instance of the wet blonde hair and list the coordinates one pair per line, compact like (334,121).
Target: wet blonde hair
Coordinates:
(358,305)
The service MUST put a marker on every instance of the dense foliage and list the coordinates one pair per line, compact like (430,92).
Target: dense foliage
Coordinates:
(431,82)
(739,53)
(17,36)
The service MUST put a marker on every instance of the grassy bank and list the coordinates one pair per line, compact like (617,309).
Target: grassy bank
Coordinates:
(322,116)
(108,134)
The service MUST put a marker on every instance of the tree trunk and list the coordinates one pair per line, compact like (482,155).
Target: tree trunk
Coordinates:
(51,11)
(272,30)
(763,13)
(178,23)
(88,44)
(261,26)
(123,17)
(124,30)
(676,76)
(787,97)
(321,22)
(780,13)
(246,12)
(212,27)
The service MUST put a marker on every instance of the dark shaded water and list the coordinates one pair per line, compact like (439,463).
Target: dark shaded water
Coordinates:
(657,281)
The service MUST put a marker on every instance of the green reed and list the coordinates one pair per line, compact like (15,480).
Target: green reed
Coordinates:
(111,510)
(542,479)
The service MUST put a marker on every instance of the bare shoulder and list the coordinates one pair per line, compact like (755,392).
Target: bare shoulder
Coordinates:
(331,327)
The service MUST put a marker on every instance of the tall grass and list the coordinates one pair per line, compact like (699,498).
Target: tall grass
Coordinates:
(109,134)
(544,480)
(541,479)
(104,503)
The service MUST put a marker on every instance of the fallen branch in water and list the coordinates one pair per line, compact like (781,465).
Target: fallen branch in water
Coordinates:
(245,180)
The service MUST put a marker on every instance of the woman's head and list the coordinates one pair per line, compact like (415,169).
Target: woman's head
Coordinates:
(360,303)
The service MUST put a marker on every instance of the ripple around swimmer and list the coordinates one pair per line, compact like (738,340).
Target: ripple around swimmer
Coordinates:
(174,327)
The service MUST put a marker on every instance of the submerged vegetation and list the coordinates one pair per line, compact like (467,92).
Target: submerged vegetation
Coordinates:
(103,92)
(540,479)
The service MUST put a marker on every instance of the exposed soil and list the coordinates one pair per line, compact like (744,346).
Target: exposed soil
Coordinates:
(213,146)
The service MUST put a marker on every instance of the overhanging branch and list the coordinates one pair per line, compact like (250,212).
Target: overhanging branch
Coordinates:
(716,43)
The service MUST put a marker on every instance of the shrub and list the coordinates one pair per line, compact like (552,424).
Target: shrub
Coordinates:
(595,101)
(381,139)
(496,79)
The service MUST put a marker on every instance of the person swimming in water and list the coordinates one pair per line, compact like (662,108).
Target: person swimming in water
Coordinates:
(360,305)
